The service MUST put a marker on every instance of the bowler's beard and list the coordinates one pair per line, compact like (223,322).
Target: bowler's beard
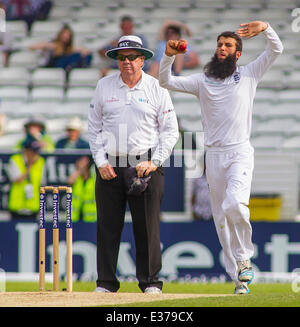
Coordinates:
(220,68)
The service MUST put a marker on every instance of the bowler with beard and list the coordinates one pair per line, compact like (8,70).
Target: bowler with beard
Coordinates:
(226,92)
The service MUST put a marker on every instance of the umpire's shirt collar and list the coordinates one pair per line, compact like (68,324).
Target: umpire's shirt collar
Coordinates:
(138,86)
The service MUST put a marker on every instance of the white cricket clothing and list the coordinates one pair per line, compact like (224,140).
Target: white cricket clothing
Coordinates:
(229,176)
(226,107)
(125,120)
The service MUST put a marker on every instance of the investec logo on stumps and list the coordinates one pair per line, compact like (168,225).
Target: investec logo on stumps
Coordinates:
(42,210)
(2,21)
(69,211)
(55,210)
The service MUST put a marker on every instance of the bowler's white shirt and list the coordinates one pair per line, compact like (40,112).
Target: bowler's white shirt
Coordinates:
(226,105)
(130,121)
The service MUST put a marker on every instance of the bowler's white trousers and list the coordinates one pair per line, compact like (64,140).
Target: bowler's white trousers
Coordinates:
(229,175)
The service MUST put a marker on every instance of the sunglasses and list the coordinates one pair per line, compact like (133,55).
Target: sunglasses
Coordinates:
(130,57)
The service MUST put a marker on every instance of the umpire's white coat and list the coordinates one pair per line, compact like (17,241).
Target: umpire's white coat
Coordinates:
(226,108)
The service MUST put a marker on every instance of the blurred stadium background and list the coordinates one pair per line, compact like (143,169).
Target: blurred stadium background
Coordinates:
(26,88)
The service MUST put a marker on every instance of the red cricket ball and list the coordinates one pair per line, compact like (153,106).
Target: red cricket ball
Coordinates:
(182,46)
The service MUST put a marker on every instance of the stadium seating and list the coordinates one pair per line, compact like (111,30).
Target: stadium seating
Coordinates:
(25,86)
(9,141)
(80,94)
(291,143)
(45,28)
(17,29)
(47,94)
(14,76)
(48,77)
(25,58)
(14,93)
(84,77)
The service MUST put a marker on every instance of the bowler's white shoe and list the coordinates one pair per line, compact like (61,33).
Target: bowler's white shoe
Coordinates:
(245,272)
(101,290)
(152,290)
(242,288)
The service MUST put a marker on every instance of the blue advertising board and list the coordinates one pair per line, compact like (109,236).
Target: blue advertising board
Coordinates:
(188,249)
(59,166)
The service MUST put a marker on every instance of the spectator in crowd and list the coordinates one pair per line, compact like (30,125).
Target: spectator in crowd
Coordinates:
(2,123)
(82,180)
(27,10)
(5,43)
(200,198)
(5,47)
(73,139)
(35,129)
(173,30)
(61,52)
(26,171)
(126,28)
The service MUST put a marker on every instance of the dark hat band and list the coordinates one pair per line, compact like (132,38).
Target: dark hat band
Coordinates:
(126,44)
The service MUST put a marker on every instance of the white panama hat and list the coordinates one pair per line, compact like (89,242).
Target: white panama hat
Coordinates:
(130,42)
(74,124)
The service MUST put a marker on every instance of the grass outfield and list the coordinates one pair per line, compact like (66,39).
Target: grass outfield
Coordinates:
(262,295)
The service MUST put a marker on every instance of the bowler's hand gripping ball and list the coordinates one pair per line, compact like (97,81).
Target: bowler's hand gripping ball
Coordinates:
(182,46)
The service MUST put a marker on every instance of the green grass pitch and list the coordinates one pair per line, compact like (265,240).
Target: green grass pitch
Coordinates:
(262,295)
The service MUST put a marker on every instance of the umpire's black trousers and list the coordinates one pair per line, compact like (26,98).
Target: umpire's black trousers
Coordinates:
(111,199)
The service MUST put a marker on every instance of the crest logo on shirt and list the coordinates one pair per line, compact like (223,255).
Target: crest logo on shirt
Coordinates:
(236,77)
(167,111)
(113,99)
(143,100)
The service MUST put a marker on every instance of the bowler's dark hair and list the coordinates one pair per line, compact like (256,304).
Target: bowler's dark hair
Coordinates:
(239,42)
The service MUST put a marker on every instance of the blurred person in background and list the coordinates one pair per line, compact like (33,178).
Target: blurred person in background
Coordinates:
(35,129)
(82,180)
(26,171)
(127,27)
(2,123)
(173,30)
(62,53)
(73,139)
(6,47)
(27,10)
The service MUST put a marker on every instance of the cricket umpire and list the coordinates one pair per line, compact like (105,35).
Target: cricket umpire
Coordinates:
(132,129)
(226,92)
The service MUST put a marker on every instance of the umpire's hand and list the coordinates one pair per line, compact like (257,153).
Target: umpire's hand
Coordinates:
(107,172)
(144,168)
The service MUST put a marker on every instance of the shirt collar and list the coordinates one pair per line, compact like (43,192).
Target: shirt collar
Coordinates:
(138,86)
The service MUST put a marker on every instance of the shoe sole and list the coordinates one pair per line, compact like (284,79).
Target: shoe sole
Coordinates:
(242,293)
